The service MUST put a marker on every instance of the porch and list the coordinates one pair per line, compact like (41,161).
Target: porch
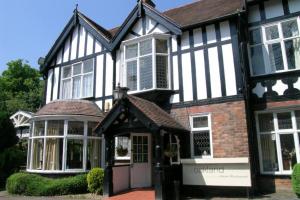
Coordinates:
(155,144)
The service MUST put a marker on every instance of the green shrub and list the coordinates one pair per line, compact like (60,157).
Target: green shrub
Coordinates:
(296,179)
(36,185)
(95,180)
(10,161)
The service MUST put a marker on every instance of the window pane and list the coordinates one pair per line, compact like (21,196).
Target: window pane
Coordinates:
(266,123)
(272,32)
(122,147)
(255,36)
(88,66)
(257,60)
(91,127)
(200,122)
(146,77)
(75,128)
(145,47)
(55,128)
(269,152)
(288,151)
(74,154)
(54,150)
(67,72)
(201,143)
(284,120)
(275,56)
(162,71)
(297,115)
(66,89)
(132,75)
(290,28)
(76,87)
(37,157)
(39,128)
(87,87)
(77,69)
(131,51)
(292,48)
(161,46)
(93,154)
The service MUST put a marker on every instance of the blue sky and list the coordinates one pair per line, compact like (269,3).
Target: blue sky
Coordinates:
(30,27)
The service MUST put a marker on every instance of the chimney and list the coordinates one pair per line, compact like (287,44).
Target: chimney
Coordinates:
(149,2)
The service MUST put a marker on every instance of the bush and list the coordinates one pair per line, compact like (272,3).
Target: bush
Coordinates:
(36,185)
(10,161)
(296,179)
(95,180)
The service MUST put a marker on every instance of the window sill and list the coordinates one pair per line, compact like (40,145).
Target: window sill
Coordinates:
(243,160)
(155,95)
(56,171)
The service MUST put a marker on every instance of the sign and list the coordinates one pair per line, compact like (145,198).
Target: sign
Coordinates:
(217,173)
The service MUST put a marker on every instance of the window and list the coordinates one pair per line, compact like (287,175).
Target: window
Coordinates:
(147,64)
(63,145)
(122,147)
(201,139)
(275,48)
(78,80)
(278,138)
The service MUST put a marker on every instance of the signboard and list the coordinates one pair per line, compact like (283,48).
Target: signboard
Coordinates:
(217,173)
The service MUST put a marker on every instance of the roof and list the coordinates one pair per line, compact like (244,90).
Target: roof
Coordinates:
(199,12)
(71,107)
(203,11)
(150,110)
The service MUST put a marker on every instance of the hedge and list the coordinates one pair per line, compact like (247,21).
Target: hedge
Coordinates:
(36,185)
(95,180)
(296,179)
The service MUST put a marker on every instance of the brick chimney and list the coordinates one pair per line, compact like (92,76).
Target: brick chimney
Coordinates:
(149,2)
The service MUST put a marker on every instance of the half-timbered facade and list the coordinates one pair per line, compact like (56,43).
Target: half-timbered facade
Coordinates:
(212,97)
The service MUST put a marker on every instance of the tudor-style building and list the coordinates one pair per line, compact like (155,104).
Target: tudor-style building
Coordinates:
(213,98)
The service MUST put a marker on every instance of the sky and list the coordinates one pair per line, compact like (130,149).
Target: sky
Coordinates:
(29,28)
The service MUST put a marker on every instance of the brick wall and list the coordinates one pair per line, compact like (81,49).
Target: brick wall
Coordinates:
(229,127)
(279,104)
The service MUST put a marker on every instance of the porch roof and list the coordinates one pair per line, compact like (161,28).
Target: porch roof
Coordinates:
(152,113)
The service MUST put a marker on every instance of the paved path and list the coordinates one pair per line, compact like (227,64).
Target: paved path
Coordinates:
(143,195)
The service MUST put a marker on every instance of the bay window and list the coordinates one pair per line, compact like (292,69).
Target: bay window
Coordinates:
(147,63)
(63,146)
(77,80)
(201,137)
(275,47)
(278,139)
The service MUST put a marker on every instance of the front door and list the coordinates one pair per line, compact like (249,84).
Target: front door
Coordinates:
(140,160)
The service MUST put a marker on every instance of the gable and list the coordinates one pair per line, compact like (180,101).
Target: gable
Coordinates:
(145,26)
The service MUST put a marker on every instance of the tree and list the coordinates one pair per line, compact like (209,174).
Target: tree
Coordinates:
(22,87)
(8,136)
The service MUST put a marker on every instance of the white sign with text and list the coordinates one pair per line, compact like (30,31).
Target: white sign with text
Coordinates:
(217,172)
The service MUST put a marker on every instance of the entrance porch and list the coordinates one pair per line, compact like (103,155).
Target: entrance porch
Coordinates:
(155,144)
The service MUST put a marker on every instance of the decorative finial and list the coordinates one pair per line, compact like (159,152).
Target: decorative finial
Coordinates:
(76,8)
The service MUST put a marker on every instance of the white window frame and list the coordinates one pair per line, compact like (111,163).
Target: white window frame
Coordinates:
(65,138)
(81,75)
(193,130)
(277,132)
(137,41)
(264,43)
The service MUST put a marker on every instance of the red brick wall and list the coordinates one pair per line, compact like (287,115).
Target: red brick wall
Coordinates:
(279,104)
(229,127)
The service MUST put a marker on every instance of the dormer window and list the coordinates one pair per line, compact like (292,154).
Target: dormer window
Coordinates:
(147,63)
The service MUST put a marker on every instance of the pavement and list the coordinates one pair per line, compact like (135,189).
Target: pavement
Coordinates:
(274,196)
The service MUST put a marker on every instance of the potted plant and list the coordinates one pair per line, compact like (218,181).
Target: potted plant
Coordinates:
(171,151)
(121,151)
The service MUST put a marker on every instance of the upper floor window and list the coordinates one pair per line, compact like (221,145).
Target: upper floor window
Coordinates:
(77,80)
(147,64)
(201,138)
(275,47)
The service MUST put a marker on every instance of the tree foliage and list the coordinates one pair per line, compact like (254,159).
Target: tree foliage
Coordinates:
(21,87)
